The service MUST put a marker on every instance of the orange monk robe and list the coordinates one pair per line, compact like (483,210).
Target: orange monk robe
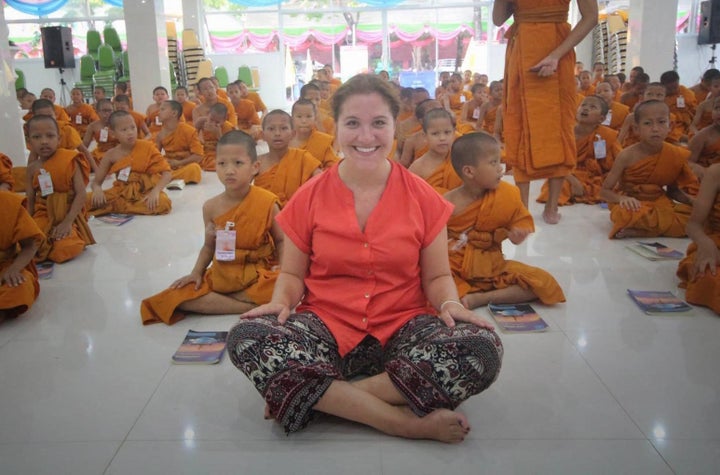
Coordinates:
(710,154)
(255,98)
(701,93)
(81,116)
(52,209)
(590,171)
(222,94)
(146,165)
(103,146)
(706,120)
(209,141)
(618,94)
(231,116)
(590,91)
(457,101)
(250,272)
(17,226)
(618,113)
(6,171)
(327,123)
(326,105)
(188,107)
(246,114)
(139,120)
(404,115)
(705,289)
(285,177)
(60,114)
(180,144)
(646,180)
(320,146)
(153,122)
(444,178)
(539,112)
(475,237)
(673,137)
(685,113)
(630,101)
(488,123)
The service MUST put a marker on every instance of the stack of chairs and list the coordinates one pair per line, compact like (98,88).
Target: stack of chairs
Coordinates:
(172,45)
(125,65)
(222,76)
(600,43)
(87,74)
(193,54)
(106,73)
(250,76)
(93,42)
(204,70)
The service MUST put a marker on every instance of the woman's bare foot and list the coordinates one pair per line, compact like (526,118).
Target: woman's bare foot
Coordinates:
(551,216)
(443,425)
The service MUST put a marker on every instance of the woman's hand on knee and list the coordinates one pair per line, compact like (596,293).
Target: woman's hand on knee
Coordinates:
(456,313)
(281,310)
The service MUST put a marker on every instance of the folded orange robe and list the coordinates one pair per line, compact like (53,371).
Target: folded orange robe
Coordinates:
(704,290)
(246,114)
(52,209)
(6,171)
(250,272)
(710,154)
(17,226)
(589,170)
(81,116)
(539,112)
(209,142)
(320,146)
(102,147)
(646,180)
(180,144)
(285,177)
(444,178)
(475,237)
(127,197)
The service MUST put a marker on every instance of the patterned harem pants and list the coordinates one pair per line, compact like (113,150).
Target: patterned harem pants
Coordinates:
(433,366)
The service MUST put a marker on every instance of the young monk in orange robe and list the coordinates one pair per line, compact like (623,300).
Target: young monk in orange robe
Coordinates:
(699,271)
(471,109)
(152,120)
(100,132)
(60,115)
(435,166)
(488,110)
(649,176)
(55,188)
(283,169)
(180,144)
(415,145)
(488,211)
(597,147)
(324,121)
(703,113)
(457,97)
(122,103)
(20,238)
(212,127)
(248,119)
(209,95)
(181,95)
(243,278)
(539,104)
(7,180)
(81,114)
(141,174)
(705,145)
(617,112)
(307,137)
(680,100)
(628,132)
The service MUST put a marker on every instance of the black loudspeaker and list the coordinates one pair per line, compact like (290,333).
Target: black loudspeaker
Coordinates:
(709,33)
(58,47)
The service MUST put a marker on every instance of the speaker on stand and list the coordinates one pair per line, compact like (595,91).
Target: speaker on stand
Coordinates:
(58,52)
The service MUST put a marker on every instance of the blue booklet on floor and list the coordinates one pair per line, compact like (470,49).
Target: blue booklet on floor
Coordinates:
(658,302)
(45,269)
(201,348)
(517,318)
(115,219)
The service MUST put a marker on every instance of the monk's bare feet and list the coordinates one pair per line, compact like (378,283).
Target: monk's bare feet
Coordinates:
(551,216)
(443,425)
(628,233)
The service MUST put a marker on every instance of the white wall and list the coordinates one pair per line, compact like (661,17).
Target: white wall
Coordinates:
(693,59)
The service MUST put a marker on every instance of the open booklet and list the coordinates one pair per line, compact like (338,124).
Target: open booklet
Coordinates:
(655,251)
(659,302)
(517,318)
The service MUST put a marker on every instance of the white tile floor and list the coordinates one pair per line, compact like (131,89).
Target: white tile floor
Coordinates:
(86,389)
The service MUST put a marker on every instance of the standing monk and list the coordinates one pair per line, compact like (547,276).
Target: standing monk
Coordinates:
(539,102)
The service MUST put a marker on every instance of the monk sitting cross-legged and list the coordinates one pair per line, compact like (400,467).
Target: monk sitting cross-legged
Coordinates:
(242,241)
(211,128)
(179,143)
(705,145)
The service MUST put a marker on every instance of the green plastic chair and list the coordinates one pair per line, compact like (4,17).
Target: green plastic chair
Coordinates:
(112,38)
(245,75)
(93,42)
(106,74)
(125,67)
(20,81)
(87,73)
(222,76)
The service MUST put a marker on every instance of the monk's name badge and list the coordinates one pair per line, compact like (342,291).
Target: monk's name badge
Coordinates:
(78,119)
(600,148)
(124,174)
(157,120)
(476,113)
(680,102)
(462,99)
(608,119)
(104,132)
(225,243)
(45,182)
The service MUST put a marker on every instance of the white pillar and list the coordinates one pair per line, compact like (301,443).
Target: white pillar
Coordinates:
(651,36)
(584,49)
(147,50)
(11,133)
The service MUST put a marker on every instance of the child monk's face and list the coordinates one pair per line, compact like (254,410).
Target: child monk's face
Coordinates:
(234,93)
(440,134)
(496,92)
(585,79)
(46,111)
(217,119)
(653,124)
(614,82)
(590,112)
(303,117)
(26,101)
(43,138)
(654,93)
(605,91)
(76,96)
(480,94)
(234,167)
(104,111)
(715,87)
(277,131)
(181,95)
(160,95)
(488,171)
(125,130)
(208,91)
(48,94)
(166,112)
(98,94)
(122,106)
(313,96)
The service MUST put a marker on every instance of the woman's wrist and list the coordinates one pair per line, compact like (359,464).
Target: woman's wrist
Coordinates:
(447,302)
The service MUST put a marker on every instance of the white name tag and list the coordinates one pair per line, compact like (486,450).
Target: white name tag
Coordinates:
(462,99)
(157,120)
(78,119)
(476,113)
(225,243)
(124,174)
(608,118)
(104,132)
(680,101)
(600,148)
(45,182)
